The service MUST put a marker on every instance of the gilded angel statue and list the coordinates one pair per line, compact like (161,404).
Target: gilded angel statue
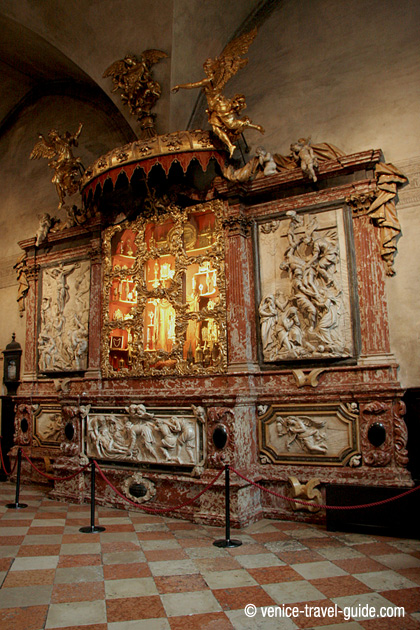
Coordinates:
(67,168)
(132,77)
(223,113)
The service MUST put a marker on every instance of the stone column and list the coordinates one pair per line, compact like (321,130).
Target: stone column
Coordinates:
(242,344)
(95,312)
(375,346)
(31,300)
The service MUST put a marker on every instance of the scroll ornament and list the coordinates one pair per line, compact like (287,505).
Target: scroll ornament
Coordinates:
(400,435)
(308,491)
(383,212)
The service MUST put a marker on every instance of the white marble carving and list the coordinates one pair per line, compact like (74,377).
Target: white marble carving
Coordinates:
(305,308)
(48,426)
(324,434)
(138,435)
(306,432)
(63,336)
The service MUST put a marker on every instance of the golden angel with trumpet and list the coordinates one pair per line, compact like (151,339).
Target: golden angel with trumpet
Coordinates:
(223,113)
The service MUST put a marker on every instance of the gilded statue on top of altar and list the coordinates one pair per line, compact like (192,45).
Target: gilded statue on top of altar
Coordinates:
(67,168)
(132,77)
(223,113)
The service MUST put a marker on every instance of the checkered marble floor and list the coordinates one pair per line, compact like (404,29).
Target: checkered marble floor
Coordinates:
(155,573)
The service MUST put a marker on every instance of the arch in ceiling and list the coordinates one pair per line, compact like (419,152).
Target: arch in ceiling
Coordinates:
(32,68)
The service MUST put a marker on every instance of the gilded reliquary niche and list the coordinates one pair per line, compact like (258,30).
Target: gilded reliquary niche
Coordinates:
(64,317)
(150,436)
(305,308)
(318,434)
(164,294)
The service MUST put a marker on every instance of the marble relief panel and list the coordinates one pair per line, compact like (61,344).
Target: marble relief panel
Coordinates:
(64,317)
(154,436)
(305,306)
(319,434)
(48,426)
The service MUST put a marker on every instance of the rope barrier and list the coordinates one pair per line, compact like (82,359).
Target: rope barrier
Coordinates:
(67,478)
(157,510)
(207,487)
(323,506)
(3,464)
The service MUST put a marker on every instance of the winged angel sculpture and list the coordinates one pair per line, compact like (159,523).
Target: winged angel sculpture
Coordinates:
(132,77)
(67,168)
(223,112)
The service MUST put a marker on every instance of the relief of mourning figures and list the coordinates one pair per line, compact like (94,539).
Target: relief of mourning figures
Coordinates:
(63,336)
(142,436)
(305,308)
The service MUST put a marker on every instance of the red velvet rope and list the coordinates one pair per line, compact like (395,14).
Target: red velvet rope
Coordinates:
(322,506)
(3,464)
(51,476)
(148,508)
(190,501)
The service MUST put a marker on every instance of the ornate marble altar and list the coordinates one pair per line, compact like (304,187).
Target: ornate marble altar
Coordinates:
(250,308)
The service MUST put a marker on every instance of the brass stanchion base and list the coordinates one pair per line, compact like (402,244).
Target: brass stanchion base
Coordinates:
(92,529)
(227,542)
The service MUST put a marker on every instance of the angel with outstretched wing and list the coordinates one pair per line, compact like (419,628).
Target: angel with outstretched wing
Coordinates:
(223,113)
(132,77)
(58,150)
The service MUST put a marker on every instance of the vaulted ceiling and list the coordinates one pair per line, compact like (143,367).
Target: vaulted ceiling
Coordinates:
(63,47)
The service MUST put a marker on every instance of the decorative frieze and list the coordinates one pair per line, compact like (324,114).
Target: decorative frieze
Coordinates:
(173,437)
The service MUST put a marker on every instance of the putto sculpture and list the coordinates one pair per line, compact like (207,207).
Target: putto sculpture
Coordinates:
(132,77)
(67,168)
(223,112)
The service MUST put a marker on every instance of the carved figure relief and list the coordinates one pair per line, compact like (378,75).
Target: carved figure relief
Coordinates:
(305,308)
(323,434)
(63,336)
(48,426)
(138,435)
(305,431)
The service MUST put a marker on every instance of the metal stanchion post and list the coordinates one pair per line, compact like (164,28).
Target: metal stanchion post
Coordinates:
(92,528)
(227,541)
(16,505)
